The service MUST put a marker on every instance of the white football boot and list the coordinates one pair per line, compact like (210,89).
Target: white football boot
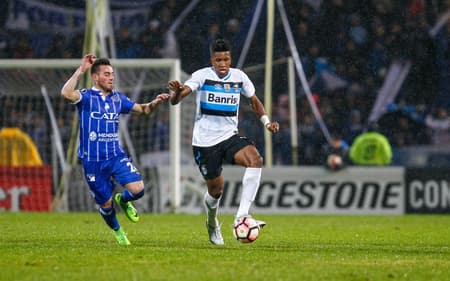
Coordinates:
(215,234)
(260,223)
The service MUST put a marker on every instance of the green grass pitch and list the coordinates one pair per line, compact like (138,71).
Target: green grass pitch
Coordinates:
(79,246)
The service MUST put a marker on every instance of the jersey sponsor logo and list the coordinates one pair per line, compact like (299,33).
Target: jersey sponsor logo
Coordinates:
(107,116)
(222,99)
(90,177)
(108,137)
(92,136)
(219,104)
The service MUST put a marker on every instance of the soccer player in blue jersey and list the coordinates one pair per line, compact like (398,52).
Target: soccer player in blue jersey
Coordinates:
(103,158)
(215,136)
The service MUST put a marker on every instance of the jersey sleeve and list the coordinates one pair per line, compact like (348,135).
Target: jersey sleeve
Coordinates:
(196,80)
(84,98)
(248,89)
(127,104)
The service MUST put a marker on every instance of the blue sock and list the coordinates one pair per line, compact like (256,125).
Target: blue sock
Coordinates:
(109,215)
(128,196)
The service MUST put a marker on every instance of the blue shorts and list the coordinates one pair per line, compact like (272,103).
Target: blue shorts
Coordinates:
(100,176)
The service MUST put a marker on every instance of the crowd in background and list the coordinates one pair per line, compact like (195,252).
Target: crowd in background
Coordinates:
(354,40)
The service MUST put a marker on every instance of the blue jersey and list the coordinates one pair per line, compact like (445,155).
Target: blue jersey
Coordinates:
(99,123)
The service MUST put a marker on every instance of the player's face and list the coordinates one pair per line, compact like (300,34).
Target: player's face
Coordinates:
(221,62)
(104,78)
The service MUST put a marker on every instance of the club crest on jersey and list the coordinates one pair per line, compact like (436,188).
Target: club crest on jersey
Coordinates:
(236,88)
(115,98)
(227,87)
(92,136)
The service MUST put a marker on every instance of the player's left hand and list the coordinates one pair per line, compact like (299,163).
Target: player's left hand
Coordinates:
(273,126)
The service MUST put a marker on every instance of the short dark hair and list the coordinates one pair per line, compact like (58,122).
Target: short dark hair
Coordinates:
(98,62)
(220,45)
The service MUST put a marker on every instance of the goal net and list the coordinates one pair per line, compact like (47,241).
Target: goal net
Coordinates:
(37,173)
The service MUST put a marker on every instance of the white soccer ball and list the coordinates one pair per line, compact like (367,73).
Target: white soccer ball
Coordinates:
(246,230)
(334,161)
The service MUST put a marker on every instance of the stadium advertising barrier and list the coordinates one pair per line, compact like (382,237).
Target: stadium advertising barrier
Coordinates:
(315,190)
(25,188)
(428,191)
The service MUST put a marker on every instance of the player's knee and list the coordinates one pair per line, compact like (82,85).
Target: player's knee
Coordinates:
(256,161)
(135,187)
(215,188)
(107,204)
(106,210)
(139,194)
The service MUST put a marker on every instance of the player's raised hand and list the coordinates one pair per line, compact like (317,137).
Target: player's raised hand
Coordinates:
(175,86)
(274,127)
(87,62)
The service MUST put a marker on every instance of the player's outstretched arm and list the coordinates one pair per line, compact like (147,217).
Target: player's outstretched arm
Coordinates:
(259,110)
(148,108)
(179,91)
(68,90)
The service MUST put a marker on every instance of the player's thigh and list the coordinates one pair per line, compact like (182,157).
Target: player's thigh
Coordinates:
(99,182)
(209,161)
(242,151)
(248,156)
(127,175)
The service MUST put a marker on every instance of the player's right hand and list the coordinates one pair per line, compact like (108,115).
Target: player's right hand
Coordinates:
(87,62)
(175,86)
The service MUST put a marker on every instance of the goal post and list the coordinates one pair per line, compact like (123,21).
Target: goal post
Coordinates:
(158,139)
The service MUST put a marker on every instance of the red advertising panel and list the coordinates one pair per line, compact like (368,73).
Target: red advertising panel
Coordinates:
(25,188)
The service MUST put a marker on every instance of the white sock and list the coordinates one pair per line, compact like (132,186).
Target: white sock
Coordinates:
(250,186)
(211,206)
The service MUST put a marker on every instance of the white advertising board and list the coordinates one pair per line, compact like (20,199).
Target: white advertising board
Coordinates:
(300,190)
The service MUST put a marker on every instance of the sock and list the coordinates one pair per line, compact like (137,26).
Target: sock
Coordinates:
(109,215)
(212,205)
(250,186)
(128,196)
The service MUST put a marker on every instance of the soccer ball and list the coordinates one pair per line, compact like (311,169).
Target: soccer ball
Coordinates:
(246,230)
(334,162)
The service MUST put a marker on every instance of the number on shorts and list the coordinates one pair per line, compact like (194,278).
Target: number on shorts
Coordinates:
(132,167)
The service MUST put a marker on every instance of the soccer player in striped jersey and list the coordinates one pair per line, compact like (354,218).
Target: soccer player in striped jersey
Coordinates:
(102,156)
(215,137)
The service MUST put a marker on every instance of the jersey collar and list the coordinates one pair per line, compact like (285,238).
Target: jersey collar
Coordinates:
(224,78)
(96,91)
